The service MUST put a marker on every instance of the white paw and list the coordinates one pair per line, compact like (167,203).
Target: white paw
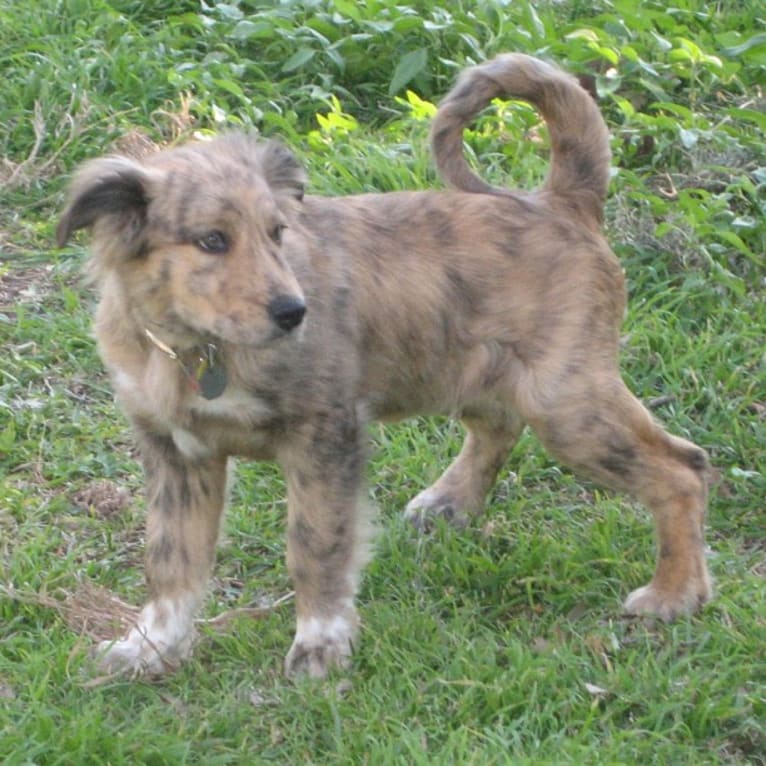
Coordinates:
(158,644)
(322,644)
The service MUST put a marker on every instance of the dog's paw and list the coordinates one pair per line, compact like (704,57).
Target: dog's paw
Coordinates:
(321,645)
(425,509)
(651,600)
(137,656)
(161,640)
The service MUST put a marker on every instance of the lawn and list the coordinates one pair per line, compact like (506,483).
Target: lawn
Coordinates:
(502,643)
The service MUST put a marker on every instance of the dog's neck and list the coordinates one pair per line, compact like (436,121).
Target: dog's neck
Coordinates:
(201,367)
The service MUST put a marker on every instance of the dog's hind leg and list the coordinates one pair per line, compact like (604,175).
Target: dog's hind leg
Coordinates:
(462,489)
(185,500)
(328,531)
(601,430)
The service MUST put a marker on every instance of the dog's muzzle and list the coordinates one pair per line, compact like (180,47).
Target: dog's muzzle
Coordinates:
(287,312)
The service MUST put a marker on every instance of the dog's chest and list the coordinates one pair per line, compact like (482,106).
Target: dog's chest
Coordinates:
(233,422)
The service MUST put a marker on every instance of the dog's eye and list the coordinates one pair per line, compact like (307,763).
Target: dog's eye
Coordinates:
(276,233)
(214,242)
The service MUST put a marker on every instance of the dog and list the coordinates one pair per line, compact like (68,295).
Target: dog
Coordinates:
(238,317)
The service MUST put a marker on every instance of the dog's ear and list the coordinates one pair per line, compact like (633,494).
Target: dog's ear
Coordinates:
(114,189)
(282,170)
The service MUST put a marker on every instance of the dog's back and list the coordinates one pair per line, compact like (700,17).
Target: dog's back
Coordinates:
(579,171)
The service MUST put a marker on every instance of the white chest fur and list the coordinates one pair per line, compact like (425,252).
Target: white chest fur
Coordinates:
(195,423)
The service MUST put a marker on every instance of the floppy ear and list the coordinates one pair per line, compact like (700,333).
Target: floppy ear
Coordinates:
(112,187)
(282,170)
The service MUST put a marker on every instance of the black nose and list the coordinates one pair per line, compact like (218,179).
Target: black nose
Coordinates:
(287,312)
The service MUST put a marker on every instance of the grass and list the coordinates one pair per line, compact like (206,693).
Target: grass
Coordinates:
(498,644)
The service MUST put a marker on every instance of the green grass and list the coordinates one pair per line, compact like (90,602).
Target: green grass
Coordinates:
(499,644)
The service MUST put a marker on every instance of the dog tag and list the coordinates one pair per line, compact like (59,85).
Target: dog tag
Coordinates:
(212,382)
(211,376)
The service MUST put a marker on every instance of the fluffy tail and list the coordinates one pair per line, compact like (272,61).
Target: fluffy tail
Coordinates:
(579,170)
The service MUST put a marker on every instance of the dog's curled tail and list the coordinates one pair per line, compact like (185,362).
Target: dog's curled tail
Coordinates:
(579,169)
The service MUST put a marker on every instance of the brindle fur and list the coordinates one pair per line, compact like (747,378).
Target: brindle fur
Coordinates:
(501,308)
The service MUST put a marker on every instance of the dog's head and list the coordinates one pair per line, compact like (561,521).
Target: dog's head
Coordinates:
(193,237)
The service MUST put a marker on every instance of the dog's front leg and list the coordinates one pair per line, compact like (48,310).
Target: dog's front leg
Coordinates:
(185,501)
(326,540)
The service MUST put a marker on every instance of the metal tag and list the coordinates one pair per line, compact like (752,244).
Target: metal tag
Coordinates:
(212,381)
(210,375)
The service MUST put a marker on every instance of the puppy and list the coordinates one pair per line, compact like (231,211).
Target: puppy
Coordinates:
(238,317)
